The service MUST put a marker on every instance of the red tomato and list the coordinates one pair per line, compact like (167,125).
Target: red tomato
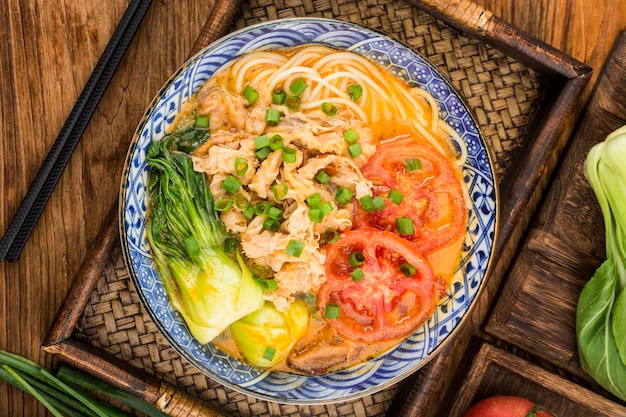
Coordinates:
(507,406)
(433,195)
(384,304)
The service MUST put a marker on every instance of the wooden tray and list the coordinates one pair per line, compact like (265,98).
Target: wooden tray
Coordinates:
(525,95)
(566,241)
(497,372)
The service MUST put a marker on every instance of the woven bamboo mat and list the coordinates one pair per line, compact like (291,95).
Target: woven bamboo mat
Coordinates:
(504,96)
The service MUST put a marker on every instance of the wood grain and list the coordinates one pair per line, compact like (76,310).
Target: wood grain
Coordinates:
(48,51)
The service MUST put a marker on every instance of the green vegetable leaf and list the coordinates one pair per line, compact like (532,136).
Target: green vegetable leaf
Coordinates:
(600,315)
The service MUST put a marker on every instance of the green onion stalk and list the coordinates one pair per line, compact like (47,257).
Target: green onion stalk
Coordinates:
(208,287)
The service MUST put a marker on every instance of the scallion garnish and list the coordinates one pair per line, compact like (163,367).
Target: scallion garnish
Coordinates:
(343,195)
(269,353)
(356,259)
(231,184)
(322,177)
(413,164)
(263,208)
(201,120)
(395,196)
(326,207)
(316,215)
(378,203)
(354,91)
(289,154)
(407,269)
(275,213)
(314,199)
(263,153)
(271,224)
(293,102)
(276,142)
(351,135)
(355,150)
(280,191)
(278,96)
(241,166)
(272,117)
(331,236)
(261,142)
(329,108)
(242,202)
(298,86)
(294,248)
(405,225)
(223,204)
(357,275)
(231,244)
(332,311)
(248,212)
(250,94)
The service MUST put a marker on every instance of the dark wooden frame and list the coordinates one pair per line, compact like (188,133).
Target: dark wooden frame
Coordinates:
(519,194)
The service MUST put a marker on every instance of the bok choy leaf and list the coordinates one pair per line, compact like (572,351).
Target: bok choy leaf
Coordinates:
(209,288)
(601,311)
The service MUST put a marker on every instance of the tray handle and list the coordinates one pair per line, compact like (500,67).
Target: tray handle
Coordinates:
(177,403)
(465,13)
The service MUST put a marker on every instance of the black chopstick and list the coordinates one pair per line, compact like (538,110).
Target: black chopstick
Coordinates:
(48,175)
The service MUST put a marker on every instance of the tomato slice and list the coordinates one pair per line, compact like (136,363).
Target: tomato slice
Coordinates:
(433,196)
(384,304)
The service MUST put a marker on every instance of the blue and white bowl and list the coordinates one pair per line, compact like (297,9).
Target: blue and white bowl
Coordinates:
(478,174)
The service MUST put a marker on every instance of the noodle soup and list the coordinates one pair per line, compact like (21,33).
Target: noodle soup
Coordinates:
(349,211)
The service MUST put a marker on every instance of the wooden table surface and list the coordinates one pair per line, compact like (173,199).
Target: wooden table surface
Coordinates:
(49,49)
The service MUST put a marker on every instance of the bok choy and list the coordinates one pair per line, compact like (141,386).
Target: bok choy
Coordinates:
(209,288)
(601,311)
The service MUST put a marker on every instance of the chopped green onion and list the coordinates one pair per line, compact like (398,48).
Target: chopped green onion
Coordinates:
(278,96)
(201,120)
(351,135)
(378,203)
(261,142)
(357,275)
(395,196)
(231,184)
(314,200)
(355,150)
(258,271)
(248,212)
(267,284)
(263,153)
(332,311)
(310,299)
(293,102)
(289,154)
(331,236)
(322,177)
(263,208)
(275,213)
(298,86)
(326,207)
(294,248)
(405,225)
(316,215)
(269,353)
(272,117)
(231,244)
(271,224)
(366,203)
(407,269)
(242,202)
(280,191)
(241,166)
(276,142)
(329,108)
(343,195)
(413,164)
(223,204)
(250,94)
(355,91)
(356,259)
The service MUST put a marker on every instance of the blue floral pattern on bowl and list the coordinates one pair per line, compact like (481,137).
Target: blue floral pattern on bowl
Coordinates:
(382,371)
